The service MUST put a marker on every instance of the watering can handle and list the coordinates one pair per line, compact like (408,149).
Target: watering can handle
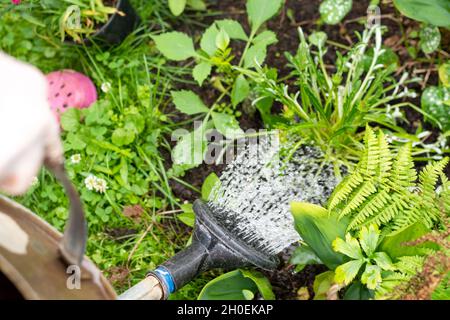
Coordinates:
(73,242)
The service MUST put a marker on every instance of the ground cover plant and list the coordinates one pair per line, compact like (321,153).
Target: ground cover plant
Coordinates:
(374,99)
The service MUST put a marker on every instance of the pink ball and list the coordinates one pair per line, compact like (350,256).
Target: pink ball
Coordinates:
(69,89)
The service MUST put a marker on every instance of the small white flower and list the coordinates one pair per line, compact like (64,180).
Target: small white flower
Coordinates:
(94,183)
(35,181)
(106,86)
(76,158)
(100,185)
(90,182)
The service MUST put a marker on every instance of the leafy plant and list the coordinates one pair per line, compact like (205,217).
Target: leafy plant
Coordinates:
(177,7)
(382,190)
(381,202)
(374,261)
(237,285)
(436,100)
(82,18)
(329,110)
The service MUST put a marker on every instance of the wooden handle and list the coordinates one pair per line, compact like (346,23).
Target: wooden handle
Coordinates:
(147,289)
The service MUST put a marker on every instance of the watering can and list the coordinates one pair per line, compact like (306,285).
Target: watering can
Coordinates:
(38,262)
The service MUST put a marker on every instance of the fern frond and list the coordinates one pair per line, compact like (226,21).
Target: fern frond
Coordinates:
(444,196)
(344,189)
(428,178)
(385,161)
(383,216)
(358,197)
(373,155)
(410,265)
(371,208)
(403,175)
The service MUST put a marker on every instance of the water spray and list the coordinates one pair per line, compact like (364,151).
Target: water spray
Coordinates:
(246,221)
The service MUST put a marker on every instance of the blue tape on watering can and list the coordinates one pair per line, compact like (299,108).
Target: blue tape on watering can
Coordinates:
(166,277)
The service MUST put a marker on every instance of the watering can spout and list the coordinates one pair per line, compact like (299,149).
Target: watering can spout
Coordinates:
(212,247)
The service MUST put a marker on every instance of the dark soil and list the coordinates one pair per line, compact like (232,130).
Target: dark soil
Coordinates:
(304,13)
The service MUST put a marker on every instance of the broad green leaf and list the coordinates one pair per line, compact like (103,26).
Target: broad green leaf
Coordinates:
(248,295)
(383,261)
(444,74)
(188,215)
(333,11)
(255,55)
(208,40)
(122,137)
(190,149)
(263,284)
(318,39)
(435,101)
(430,38)
(227,125)
(196,4)
(259,11)
(319,230)
(434,12)
(266,38)
(302,256)
(70,120)
(175,45)
(233,29)
(188,102)
(222,40)
(368,238)
(371,276)
(357,291)
(177,6)
(211,180)
(345,273)
(350,247)
(201,72)
(323,283)
(135,122)
(394,246)
(231,286)
(240,90)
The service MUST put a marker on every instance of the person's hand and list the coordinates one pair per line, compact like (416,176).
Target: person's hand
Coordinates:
(29,134)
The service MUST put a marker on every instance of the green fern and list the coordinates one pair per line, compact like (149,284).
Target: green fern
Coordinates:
(383,189)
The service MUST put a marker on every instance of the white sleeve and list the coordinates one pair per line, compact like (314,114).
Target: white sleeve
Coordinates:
(26,122)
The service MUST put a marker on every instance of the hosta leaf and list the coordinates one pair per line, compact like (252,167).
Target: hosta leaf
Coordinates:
(371,276)
(430,38)
(259,11)
(201,72)
(240,90)
(188,102)
(227,125)
(346,272)
(175,45)
(333,11)
(319,230)
(435,12)
(233,29)
(237,285)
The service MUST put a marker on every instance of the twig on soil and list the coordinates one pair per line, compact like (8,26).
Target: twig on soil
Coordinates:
(141,238)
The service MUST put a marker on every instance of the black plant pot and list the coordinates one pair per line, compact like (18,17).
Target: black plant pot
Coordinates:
(118,27)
